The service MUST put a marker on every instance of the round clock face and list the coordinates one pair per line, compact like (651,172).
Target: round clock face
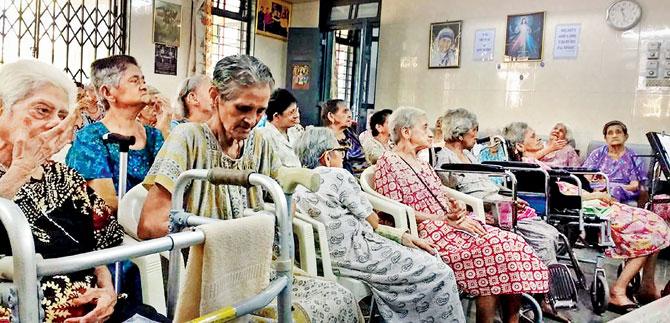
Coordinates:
(624,14)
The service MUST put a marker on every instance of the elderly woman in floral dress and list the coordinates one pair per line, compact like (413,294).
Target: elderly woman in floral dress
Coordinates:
(489,263)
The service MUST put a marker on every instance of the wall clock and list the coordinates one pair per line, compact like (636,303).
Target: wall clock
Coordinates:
(624,14)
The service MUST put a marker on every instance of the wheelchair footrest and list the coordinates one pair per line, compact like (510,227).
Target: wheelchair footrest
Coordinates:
(562,289)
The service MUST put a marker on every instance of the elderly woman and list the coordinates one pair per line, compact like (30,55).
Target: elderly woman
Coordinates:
(243,88)
(489,263)
(120,88)
(282,114)
(460,128)
(193,103)
(408,284)
(380,137)
(336,115)
(65,215)
(638,234)
(566,156)
(623,168)
(157,113)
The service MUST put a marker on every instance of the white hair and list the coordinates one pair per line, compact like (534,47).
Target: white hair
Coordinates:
(313,143)
(404,118)
(515,132)
(185,87)
(22,78)
(232,73)
(457,122)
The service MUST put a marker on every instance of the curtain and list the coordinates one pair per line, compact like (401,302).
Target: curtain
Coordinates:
(199,58)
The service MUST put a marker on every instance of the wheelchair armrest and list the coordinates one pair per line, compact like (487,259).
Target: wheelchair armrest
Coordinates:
(580,170)
(320,230)
(558,172)
(511,164)
(473,168)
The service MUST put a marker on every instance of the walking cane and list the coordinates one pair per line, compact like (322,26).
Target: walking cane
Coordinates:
(124,143)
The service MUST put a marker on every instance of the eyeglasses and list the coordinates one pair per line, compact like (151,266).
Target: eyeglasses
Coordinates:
(341,150)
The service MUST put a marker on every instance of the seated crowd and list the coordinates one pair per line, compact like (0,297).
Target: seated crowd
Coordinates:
(237,120)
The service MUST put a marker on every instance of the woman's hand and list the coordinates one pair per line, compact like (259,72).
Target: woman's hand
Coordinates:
(558,144)
(469,225)
(414,242)
(104,300)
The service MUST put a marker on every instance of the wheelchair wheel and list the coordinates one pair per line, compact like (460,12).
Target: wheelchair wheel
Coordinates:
(633,285)
(531,312)
(600,292)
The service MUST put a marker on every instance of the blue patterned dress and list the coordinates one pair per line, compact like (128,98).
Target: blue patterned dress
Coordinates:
(94,159)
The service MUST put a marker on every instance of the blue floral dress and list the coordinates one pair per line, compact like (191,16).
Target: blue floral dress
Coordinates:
(94,159)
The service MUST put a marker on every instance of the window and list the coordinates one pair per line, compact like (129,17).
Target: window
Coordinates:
(343,66)
(69,34)
(230,28)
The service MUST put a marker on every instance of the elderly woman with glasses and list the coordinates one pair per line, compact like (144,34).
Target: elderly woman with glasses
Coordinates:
(193,103)
(120,88)
(638,234)
(243,85)
(282,114)
(408,284)
(66,217)
(489,263)
(336,115)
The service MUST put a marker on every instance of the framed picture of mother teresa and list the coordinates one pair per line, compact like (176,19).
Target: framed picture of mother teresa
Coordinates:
(445,44)
(524,36)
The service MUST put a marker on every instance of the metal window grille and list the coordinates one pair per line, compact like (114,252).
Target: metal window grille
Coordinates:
(230,28)
(344,66)
(67,33)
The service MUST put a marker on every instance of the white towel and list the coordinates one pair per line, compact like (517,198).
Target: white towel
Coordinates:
(232,265)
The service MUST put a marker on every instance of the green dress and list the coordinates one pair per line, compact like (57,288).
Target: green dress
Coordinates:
(194,146)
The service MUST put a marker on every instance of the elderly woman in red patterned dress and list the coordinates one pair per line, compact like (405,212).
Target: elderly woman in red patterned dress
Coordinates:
(491,264)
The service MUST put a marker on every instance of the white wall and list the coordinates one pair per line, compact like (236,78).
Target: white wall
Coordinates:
(141,46)
(600,85)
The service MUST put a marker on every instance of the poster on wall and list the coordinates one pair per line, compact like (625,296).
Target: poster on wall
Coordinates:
(524,36)
(484,44)
(300,76)
(566,41)
(167,23)
(273,18)
(165,60)
(445,44)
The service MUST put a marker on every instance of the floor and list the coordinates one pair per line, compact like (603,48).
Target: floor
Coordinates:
(583,313)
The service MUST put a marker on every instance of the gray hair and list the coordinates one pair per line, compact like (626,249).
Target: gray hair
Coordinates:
(515,132)
(20,79)
(236,71)
(568,132)
(185,87)
(404,118)
(107,71)
(313,143)
(457,122)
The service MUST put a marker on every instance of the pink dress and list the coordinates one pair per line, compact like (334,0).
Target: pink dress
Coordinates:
(498,263)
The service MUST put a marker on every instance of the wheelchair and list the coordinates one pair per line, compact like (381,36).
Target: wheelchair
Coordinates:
(20,274)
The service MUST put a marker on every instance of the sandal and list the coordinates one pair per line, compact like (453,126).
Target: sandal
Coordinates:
(622,309)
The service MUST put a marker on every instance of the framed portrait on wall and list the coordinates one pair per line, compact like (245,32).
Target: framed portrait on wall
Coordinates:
(524,37)
(300,76)
(167,23)
(445,44)
(273,18)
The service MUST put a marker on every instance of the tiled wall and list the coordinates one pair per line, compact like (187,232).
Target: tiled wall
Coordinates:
(602,84)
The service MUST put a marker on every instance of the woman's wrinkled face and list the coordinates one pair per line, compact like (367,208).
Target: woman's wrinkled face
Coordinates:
(289,118)
(342,117)
(470,138)
(239,115)
(558,132)
(335,158)
(615,135)
(419,134)
(531,142)
(132,90)
(201,96)
(38,112)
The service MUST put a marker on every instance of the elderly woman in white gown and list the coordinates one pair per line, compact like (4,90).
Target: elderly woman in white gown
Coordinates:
(408,284)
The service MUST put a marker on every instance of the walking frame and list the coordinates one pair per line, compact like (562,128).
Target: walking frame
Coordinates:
(27,267)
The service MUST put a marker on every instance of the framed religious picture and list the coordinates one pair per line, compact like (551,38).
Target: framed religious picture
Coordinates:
(300,76)
(165,59)
(445,44)
(273,18)
(524,37)
(167,23)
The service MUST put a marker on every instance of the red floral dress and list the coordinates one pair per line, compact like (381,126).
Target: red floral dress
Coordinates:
(498,263)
